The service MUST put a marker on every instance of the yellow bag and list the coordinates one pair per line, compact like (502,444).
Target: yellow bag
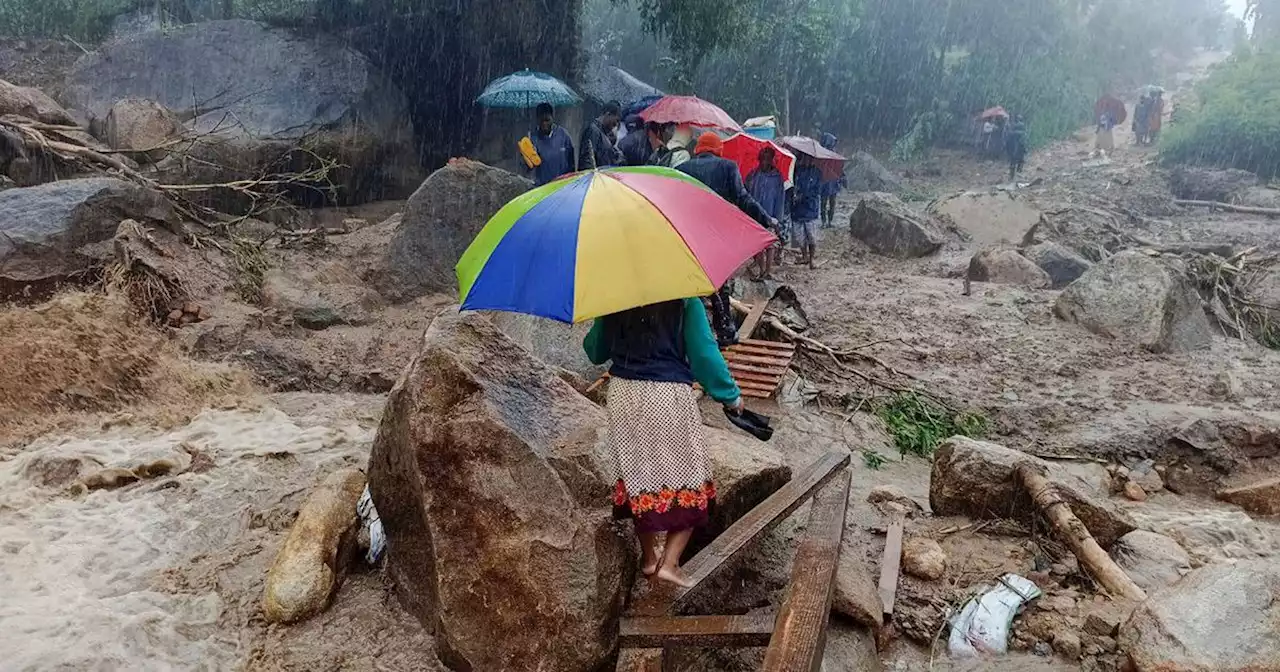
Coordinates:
(529,153)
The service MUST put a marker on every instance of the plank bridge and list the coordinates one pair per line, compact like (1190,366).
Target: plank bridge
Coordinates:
(795,636)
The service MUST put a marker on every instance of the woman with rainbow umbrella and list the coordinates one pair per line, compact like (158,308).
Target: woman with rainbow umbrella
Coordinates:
(630,248)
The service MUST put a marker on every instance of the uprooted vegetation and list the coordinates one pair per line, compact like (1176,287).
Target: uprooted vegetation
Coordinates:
(918,425)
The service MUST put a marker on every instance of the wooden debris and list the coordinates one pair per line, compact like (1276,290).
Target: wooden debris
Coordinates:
(800,635)
(753,320)
(701,631)
(1069,528)
(1228,207)
(890,566)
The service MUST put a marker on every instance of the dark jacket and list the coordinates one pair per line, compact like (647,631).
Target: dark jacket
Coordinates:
(1015,140)
(556,151)
(635,148)
(668,342)
(769,191)
(806,195)
(722,176)
(596,148)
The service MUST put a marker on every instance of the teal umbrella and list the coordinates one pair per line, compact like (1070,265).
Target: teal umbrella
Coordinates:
(526,89)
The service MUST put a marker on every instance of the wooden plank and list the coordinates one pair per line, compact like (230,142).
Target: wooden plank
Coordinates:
(800,635)
(755,377)
(756,350)
(752,385)
(753,319)
(664,597)
(757,394)
(889,566)
(752,359)
(703,631)
(639,660)
(764,370)
(771,346)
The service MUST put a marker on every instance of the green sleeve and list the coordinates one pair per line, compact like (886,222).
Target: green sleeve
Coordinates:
(597,350)
(708,364)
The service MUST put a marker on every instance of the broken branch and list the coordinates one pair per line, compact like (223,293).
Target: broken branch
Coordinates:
(1228,207)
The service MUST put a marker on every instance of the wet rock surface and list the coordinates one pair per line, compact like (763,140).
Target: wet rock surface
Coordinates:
(1152,560)
(891,229)
(1007,266)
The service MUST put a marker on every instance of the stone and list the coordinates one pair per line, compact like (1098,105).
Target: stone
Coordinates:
(441,219)
(1134,492)
(883,495)
(976,479)
(1227,387)
(1195,183)
(1067,645)
(1006,266)
(1261,498)
(923,558)
(848,649)
(56,471)
(1101,624)
(856,595)
(1139,299)
(493,481)
(988,218)
(865,173)
(143,128)
(1219,617)
(320,297)
(50,233)
(25,101)
(310,564)
(1149,480)
(1061,264)
(252,94)
(891,229)
(555,343)
(1152,560)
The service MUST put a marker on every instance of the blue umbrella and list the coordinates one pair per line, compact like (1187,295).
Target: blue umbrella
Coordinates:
(527,89)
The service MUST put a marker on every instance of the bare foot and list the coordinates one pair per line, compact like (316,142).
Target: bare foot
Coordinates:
(674,575)
(649,570)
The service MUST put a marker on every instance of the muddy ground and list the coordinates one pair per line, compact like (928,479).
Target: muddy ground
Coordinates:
(167,573)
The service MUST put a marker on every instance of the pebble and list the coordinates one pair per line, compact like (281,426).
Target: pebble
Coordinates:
(923,558)
(1067,645)
(1102,625)
(1135,492)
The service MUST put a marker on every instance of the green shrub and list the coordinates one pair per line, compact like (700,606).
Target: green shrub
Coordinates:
(1234,120)
(85,20)
(919,425)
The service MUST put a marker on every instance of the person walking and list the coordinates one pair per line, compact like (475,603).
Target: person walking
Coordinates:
(1155,117)
(721,176)
(664,479)
(1141,117)
(1015,146)
(767,185)
(830,188)
(806,207)
(551,146)
(597,147)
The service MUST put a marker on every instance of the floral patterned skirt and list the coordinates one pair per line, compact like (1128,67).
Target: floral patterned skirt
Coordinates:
(655,434)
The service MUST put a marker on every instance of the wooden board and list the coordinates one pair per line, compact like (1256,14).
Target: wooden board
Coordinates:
(800,635)
(665,598)
(702,631)
(753,320)
(890,565)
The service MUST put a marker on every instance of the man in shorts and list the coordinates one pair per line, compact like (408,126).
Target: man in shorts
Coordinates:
(806,207)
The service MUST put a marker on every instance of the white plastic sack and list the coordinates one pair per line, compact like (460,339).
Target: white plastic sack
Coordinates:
(982,627)
(372,525)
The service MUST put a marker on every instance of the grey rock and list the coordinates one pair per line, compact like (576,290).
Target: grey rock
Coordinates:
(253,93)
(555,343)
(25,101)
(1210,184)
(865,173)
(976,479)
(924,559)
(1152,560)
(1006,266)
(891,229)
(1136,298)
(1219,617)
(1067,645)
(1061,264)
(856,595)
(441,219)
(52,232)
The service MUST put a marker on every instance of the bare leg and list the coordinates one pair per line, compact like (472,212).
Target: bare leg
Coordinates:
(670,570)
(649,553)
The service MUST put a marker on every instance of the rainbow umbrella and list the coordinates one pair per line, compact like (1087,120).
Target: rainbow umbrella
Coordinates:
(604,241)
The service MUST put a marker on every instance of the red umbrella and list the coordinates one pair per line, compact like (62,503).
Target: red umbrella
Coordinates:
(994,112)
(831,164)
(744,150)
(689,110)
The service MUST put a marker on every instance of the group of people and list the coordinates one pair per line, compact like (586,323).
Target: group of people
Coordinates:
(1148,118)
(1002,136)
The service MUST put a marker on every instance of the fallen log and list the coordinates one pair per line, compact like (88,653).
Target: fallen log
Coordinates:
(1069,528)
(1219,205)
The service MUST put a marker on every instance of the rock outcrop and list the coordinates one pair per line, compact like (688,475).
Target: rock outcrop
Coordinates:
(1152,560)
(976,479)
(865,173)
(52,233)
(255,94)
(312,561)
(1061,264)
(1005,266)
(143,128)
(1219,617)
(891,229)
(441,219)
(25,101)
(1139,299)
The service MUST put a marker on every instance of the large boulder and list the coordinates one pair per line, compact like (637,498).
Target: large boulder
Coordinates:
(1153,561)
(976,479)
(255,95)
(1005,266)
(1261,497)
(865,173)
(891,229)
(1195,183)
(555,343)
(31,103)
(1220,617)
(1061,264)
(53,232)
(441,219)
(988,218)
(144,128)
(492,478)
(1137,298)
